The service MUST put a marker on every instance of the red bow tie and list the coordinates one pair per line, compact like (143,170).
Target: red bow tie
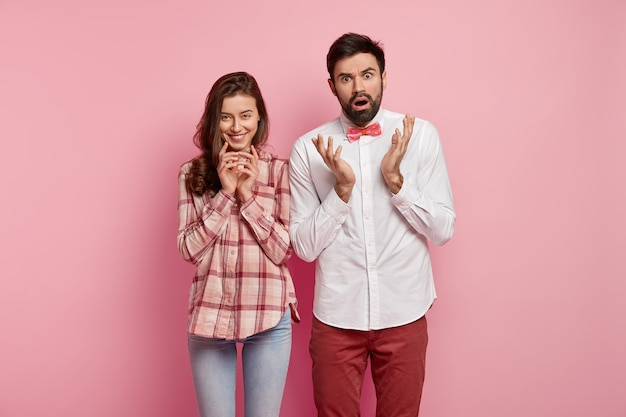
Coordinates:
(354,133)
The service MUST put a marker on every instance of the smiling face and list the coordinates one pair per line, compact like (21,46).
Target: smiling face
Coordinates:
(358,85)
(239,121)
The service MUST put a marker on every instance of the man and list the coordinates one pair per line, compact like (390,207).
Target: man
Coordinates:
(364,205)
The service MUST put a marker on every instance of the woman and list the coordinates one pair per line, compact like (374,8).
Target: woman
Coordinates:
(233,226)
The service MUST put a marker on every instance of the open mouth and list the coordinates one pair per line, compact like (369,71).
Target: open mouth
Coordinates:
(360,103)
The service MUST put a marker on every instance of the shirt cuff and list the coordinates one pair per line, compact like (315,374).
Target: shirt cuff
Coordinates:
(223,202)
(407,195)
(335,207)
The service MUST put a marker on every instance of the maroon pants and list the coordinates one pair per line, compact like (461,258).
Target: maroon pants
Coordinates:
(397,358)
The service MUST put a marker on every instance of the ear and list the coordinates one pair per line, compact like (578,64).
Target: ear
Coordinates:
(331,84)
(384,77)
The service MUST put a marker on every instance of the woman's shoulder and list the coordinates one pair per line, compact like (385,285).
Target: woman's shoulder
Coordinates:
(185,167)
(272,158)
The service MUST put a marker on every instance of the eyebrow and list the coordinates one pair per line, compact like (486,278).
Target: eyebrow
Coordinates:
(245,111)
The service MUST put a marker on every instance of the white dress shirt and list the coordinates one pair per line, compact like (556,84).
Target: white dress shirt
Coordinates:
(373,269)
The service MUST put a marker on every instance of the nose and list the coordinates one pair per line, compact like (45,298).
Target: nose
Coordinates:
(357,85)
(236,125)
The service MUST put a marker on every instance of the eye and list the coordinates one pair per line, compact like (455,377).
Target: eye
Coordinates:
(246,116)
(368,75)
(224,117)
(345,78)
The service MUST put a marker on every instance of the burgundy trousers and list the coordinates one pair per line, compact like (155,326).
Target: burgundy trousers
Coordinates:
(397,358)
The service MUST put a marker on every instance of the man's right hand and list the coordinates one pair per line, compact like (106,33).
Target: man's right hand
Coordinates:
(341,169)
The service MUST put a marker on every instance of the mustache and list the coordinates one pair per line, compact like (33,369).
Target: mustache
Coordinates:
(359,95)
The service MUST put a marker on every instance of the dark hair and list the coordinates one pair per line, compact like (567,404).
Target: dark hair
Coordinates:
(203,176)
(351,44)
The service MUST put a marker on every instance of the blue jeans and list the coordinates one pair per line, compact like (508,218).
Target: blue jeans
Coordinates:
(265,359)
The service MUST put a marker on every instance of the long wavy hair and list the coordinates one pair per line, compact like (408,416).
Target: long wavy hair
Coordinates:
(203,176)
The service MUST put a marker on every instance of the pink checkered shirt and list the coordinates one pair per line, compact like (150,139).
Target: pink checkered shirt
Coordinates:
(242,285)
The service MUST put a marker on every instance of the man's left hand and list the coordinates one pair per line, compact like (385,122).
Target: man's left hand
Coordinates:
(390,164)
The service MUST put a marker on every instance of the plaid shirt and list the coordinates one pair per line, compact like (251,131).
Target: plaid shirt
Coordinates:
(242,285)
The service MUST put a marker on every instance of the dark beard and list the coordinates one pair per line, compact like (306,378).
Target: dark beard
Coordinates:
(364,116)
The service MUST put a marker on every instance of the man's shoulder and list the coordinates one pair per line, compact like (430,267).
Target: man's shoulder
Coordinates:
(398,117)
(331,127)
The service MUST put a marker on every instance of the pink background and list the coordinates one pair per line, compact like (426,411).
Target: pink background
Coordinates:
(98,104)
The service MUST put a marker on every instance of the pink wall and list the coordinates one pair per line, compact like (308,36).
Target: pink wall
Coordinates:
(98,103)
